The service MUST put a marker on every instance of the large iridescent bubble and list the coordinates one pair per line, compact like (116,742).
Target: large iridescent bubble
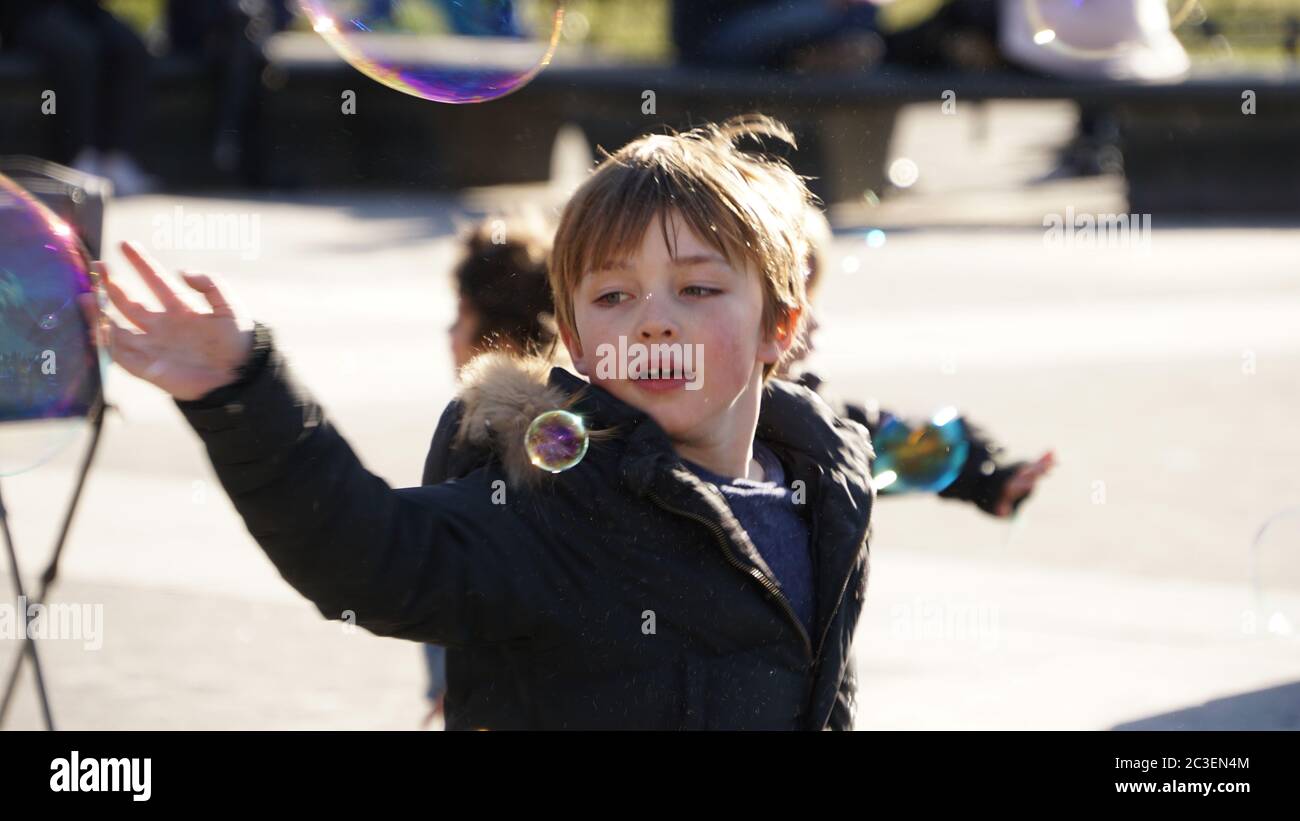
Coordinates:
(922,459)
(449,51)
(556,440)
(50,372)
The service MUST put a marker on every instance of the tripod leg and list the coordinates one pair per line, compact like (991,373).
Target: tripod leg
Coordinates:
(29,646)
(51,572)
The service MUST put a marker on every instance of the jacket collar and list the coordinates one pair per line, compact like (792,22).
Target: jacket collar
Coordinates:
(791,417)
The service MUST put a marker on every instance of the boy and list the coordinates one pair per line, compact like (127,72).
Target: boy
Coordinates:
(623,592)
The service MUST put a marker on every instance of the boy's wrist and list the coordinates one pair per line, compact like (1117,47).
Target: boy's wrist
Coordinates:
(259,354)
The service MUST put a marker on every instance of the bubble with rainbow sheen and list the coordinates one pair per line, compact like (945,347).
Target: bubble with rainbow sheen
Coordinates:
(448,51)
(921,459)
(50,370)
(556,440)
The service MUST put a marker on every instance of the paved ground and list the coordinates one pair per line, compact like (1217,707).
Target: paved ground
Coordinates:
(1163,374)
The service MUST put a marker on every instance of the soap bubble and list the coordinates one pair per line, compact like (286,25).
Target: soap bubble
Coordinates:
(1275,575)
(49,369)
(556,440)
(924,459)
(449,51)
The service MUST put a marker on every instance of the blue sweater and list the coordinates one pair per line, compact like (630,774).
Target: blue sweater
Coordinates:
(776,525)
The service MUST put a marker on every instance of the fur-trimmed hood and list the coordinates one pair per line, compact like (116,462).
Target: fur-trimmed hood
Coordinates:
(501,395)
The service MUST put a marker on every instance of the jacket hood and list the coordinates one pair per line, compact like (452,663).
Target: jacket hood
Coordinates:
(501,394)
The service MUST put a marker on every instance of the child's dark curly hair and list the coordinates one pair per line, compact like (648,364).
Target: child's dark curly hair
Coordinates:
(502,275)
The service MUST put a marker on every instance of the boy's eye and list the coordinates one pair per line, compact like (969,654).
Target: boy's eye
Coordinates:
(604,299)
(701,290)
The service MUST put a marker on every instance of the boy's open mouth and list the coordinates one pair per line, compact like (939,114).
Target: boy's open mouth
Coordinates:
(659,380)
(656,383)
(662,375)
(656,368)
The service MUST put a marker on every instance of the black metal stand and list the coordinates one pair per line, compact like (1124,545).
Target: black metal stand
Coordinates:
(96,418)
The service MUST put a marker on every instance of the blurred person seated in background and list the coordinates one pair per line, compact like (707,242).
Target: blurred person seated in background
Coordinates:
(1110,40)
(777,34)
(98,68)
(229,37)
(1116,40)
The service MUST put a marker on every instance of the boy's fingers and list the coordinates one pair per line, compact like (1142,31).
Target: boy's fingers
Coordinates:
(208,285)
(150,272)
(135,313)
(127,350)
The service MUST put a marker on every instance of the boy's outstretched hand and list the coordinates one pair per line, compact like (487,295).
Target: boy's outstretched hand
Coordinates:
(184,351)
(1022,482)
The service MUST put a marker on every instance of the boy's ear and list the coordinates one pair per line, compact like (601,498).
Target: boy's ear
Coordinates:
(574,346)
(773,349)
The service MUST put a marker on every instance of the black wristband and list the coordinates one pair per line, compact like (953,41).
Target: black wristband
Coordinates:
(256,361)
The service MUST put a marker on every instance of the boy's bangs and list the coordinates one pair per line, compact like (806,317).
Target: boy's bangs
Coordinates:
(617,223)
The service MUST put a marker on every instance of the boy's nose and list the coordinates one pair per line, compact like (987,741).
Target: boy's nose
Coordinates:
(654,322)
(654,329)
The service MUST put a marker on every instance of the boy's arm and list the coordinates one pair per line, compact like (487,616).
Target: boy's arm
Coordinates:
(432,563)
(436,469)
(448,459)
(985,473)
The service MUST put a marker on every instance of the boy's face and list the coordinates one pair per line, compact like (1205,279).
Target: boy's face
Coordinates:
(707,313)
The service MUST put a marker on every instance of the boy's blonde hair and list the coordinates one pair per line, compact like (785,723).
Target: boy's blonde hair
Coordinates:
(748,207)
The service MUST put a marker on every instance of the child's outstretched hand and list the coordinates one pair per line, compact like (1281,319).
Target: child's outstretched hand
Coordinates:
(184,351)
(1023,481)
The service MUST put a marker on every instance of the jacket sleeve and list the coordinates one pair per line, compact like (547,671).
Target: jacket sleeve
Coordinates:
(448,459)
(984,474)
(440,563)
(436,464)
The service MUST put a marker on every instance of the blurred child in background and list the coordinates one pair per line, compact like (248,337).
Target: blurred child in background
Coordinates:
(503,303)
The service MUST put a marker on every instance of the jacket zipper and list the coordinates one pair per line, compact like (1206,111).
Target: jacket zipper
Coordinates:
(752,572)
